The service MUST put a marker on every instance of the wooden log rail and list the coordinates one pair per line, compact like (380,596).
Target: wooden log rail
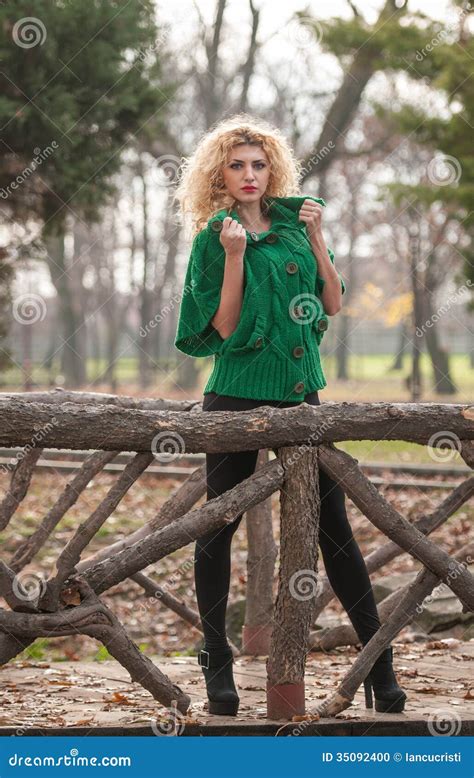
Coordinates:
(68,601)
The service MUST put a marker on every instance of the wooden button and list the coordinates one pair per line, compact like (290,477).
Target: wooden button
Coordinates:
(298,351)
(216,226)
(322,325)
(272,238)
(258,343)
(292,267)
(299,387)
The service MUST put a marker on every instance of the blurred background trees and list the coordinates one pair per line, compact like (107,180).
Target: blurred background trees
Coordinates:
(100,102)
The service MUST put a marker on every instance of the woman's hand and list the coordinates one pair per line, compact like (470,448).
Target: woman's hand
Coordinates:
(233,237)
(312,214)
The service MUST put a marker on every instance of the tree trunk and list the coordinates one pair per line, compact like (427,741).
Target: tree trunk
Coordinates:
(71,315)
(443,383)
(401,348)
(145,341)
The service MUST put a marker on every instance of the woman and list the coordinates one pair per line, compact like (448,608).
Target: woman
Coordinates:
(259,288)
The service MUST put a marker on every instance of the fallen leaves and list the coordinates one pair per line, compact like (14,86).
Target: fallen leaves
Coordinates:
(119,698)
(307,717)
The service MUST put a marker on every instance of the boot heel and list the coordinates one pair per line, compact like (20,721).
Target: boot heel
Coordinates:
(387,706)
(368,693)
(389,696)
(223,708)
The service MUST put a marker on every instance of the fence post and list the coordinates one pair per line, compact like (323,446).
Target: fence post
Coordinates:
(297,582)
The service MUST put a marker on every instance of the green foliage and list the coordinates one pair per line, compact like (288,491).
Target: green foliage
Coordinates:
(450,137)
(90,84)
(430,52)
(392,44)
(102,654)
(36,650)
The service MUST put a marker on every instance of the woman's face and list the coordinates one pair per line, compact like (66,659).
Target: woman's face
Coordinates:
(246,172)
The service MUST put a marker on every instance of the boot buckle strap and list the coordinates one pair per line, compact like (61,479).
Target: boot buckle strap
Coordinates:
(201,657)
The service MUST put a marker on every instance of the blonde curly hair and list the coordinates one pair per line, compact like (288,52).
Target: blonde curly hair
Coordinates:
(201,190)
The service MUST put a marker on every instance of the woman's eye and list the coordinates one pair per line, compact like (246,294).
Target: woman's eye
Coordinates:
(239,164)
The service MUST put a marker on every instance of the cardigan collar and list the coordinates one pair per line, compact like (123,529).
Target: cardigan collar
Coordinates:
(283,210)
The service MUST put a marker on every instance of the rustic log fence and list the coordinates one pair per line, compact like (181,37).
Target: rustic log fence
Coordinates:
(68,602)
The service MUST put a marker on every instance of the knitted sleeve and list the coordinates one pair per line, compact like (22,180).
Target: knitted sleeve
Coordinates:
(320,281)
(195,334)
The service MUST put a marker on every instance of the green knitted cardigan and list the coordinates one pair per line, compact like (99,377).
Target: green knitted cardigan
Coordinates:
(273,354)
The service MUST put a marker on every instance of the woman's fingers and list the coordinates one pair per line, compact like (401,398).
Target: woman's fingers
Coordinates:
(233,236)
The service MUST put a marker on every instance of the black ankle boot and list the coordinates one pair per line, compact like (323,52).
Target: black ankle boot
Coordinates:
(221,692)
(389,697)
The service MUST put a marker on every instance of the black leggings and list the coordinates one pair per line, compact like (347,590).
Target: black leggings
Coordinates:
(344,563)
